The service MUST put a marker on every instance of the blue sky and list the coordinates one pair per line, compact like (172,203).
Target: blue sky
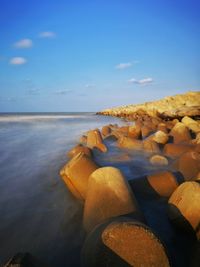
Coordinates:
(88,55)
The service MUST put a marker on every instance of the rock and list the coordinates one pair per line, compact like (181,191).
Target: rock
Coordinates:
(170,107)
(130,143)
(160,137)
(184,207)
(94,140)
(108,196)
(189,164)
(77,149)
(175,150)
(180,133)
(158,160)
(76,173)
(123,242)
(191,124)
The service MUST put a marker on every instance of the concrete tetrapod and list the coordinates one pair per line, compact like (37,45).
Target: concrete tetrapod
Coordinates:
(189,164)
(77,149)
(180,133)
(123,242)
(130,143)
(184,207)
(158,160)
(108,195)
(160,137)
(175,150)
(161,184)
(76,173)
(94,140)
(105,131)
(150,146)
(191,124)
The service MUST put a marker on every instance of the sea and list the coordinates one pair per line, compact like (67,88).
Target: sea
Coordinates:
(37,212)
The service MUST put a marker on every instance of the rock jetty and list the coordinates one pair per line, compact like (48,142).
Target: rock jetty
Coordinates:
(170,107)
(135,221)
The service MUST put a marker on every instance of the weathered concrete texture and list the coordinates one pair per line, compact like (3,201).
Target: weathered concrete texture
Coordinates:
(158,160)
(184,207)
(77,149)
(130,143)
(94,140)
(123,242)
(189,164)
(180,133)
(175,150)
(76,173)
(108,196)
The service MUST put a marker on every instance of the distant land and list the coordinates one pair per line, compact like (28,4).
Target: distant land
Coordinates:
(176,106)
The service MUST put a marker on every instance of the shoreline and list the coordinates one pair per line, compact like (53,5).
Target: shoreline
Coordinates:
(168,160)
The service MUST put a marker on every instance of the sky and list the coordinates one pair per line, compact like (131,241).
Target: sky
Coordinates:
(87,55)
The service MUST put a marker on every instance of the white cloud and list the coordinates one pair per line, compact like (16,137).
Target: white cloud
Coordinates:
(89,85)
(47,34)
(18,61)
(123,66)
(24,43)
(144,81)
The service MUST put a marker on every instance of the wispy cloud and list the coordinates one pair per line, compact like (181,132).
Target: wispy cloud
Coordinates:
(123,66)
(18,61)
(47,34)
(144,81)
(90,85)
(63,92)
(24,43)
(33,91)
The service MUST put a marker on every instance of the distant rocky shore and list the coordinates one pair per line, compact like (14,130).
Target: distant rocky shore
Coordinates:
(171,107)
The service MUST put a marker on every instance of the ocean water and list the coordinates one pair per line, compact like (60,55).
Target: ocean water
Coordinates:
(37,213)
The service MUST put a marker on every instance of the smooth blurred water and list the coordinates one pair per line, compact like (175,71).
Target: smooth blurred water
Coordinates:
(37,213)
